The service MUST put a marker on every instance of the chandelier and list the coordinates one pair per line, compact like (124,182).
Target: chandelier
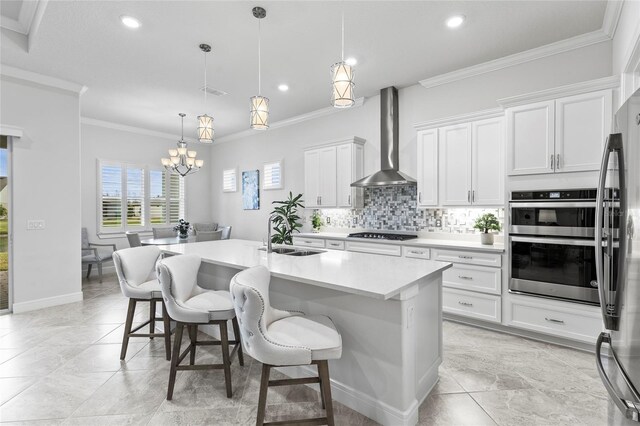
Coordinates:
(182,161)
(342,80)
(259,111)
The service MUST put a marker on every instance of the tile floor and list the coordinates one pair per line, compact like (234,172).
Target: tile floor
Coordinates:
(61,366)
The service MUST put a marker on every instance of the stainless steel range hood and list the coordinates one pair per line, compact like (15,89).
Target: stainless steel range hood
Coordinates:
(389,173)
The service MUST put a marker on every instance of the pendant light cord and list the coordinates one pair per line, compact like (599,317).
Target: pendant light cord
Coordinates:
(342,56)
(259,60)
(205,80)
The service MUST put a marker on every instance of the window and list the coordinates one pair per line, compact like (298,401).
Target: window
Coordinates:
(272,176)
(229,180)
(135,197)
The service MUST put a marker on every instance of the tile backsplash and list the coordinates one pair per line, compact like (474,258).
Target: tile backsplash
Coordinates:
(394,208)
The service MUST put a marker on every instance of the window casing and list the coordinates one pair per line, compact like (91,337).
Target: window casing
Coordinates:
(134,197)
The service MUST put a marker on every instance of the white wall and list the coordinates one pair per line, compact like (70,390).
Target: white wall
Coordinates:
(625,40)
(416,103)
(46,185)
(101,143)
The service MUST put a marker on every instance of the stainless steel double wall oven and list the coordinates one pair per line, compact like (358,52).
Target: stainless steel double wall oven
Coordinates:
(552,242)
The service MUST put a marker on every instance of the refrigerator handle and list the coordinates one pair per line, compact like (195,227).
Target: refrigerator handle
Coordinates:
(629,408)
(603,285)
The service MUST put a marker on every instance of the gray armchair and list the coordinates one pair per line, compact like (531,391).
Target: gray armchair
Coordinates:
(226,232)
(91,255)
(208,236)
(204,227)
(163,232)
(134,239)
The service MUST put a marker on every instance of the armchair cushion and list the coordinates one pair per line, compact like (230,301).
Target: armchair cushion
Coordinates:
(216,303)
(316,332)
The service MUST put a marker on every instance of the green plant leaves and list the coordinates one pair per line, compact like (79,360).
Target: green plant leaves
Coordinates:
(289,209)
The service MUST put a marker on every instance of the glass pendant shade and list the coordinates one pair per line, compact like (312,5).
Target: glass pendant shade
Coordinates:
(199,163)
(205,128)
(191,154)
(259,113)
(175,160)
(165,161)
(342,85)
(173,153)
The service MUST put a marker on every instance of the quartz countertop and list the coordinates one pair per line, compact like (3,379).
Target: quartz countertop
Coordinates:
(415,242)
(377,276)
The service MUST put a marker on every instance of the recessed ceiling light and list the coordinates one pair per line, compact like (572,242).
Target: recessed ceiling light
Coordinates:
(351,61)
(283,88)
(130,21)
(455,21)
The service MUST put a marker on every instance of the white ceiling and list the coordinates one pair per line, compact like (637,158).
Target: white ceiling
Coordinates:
(144,77)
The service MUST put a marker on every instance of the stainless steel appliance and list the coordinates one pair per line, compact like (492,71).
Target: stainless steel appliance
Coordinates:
(618,267)
(382,236)
(552,248)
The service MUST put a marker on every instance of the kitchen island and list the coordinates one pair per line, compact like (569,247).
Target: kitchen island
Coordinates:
(387,309)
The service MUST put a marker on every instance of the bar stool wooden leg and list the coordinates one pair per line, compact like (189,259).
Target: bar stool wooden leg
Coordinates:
(152,317)
(127,328)
(321,388)
(193,333)
(166,323)
(262,398)
(325,383)
(226,361)
(175,359)
(236,334)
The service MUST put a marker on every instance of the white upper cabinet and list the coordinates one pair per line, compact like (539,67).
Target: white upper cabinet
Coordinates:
(427,167)
(455,162)
(329,171)
(582,125)
(487,154)
(530,138)
(557,136)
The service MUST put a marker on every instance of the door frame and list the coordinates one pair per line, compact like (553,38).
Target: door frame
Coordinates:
(10,141)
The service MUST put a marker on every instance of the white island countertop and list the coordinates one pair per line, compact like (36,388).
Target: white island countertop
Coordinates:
(377,276)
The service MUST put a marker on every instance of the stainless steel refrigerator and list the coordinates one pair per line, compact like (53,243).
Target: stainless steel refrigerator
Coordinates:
(618,266)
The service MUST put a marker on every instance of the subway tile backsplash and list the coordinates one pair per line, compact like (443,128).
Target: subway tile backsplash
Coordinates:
(394,208)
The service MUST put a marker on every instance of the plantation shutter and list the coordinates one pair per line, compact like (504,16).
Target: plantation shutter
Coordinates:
(135,196)
(176,198)
(272,177)
(229,180)
(111,197)
(157,197)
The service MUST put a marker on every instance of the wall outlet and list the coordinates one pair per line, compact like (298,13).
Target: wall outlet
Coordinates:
(35,225)
(354,221)
(438,223)
(328,220)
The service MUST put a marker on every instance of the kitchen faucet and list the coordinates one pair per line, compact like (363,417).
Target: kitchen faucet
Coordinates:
(271,217)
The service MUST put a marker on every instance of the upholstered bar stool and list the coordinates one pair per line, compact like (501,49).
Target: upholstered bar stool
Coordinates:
(191,305)
(136,269)
(281,338)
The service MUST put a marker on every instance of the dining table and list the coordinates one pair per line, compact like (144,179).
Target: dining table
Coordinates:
(167,241)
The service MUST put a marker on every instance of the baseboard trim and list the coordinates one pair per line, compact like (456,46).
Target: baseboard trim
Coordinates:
(47,302)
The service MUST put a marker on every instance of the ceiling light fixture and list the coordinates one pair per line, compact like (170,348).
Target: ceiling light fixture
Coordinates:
(283,88)
(130,21)
(455,21)
(181,161)
(342,80)
(205,122)
(259,116)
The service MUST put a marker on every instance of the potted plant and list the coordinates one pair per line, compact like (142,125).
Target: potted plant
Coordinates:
(287,209)
(485,223)
(316,221)
(183,228)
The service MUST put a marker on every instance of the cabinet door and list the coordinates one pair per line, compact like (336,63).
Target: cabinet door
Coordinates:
(582,124)
(530,138)
(328,175)
(487,159)
(312,178)
(344,161)
(455,165)
(428,167)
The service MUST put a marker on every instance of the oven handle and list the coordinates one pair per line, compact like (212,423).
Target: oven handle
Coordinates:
(559,241)
(552,204)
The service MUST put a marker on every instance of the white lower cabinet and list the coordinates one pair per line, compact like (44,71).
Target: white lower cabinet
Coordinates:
(563,319)
(416,252)
(486,307)
(308,242)
(334,244)
(471,258)
(476,278)
(374,248)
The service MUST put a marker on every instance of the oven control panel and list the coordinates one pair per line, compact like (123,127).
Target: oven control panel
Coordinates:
(571,194)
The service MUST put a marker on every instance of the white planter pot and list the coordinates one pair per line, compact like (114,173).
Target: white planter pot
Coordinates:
(486,238)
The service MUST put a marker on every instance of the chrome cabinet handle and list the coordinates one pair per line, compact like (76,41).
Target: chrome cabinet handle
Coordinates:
(551,167)
(320,200)
(473,196)
(553,320)
(468,196)
(464,277)
(416,252)
(465,257)
(349,199)
(558,162)
(465,303)
(334,244)
(419,197)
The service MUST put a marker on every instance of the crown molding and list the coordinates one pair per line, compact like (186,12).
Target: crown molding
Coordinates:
(612,17)
(290,121)
(131,129)
(462,118)
(6,130)
(353,139)
(41,79)
(572,43)
(611,82)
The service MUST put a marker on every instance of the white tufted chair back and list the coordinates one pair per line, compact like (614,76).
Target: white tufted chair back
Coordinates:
(136,271)
(250,295)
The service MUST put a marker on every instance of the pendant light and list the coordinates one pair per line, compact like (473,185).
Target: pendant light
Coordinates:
(259,117)
(342,80)
(182,161)
(205,122)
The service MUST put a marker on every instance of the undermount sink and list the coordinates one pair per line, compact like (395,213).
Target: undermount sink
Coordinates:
(305,252)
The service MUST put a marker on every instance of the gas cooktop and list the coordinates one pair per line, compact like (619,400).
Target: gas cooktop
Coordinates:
(382,236)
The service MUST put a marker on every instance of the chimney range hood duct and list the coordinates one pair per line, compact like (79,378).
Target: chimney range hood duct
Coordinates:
(389,173)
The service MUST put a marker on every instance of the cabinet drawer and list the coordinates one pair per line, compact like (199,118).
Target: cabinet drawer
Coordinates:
(374,248)
(335,245)
(471,258)
(470,277)
(465,303)
(573,324)
(417,252)
(308,242)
